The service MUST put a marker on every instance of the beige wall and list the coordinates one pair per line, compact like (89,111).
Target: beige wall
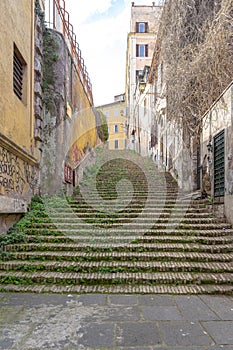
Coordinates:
(115,115)
(150,14)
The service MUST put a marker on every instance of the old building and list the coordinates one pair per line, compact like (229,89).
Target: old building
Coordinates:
(47,122)
(115,114)
(193,99)
(216,154)
(18,157)
(140,47)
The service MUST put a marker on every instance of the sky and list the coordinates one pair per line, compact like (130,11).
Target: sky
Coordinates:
(101,27)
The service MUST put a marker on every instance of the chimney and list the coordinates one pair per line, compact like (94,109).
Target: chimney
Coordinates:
(133,3)
(153,3)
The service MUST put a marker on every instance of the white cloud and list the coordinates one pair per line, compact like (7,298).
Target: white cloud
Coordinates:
(103,44)
(82,9)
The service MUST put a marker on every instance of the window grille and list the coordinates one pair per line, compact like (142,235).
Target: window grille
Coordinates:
(18,68)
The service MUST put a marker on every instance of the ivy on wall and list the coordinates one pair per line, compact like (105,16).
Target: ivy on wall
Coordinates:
(102,126)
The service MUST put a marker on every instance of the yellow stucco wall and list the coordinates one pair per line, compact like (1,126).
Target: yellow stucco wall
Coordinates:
(83,132)
(17,27)
(115,115)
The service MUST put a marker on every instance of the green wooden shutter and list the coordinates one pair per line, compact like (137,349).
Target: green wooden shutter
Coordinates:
(219,164)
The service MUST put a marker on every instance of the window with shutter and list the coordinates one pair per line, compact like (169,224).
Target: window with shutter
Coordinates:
(18,73)
(141,50)
(141,27)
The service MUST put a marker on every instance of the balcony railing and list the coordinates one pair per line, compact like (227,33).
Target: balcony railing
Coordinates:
(59,19)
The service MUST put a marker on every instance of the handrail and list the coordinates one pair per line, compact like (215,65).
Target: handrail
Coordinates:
(71,40)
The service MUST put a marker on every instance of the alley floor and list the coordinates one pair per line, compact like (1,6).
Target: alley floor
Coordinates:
(111,321)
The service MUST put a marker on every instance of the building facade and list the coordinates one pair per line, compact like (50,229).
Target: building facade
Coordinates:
(195,148)
(18,159)
(47,122)
(115,114)
(140,47)
(216,154)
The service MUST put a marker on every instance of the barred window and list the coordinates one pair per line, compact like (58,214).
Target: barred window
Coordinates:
(18,73)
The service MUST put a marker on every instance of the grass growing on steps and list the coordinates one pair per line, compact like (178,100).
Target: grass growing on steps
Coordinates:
(18,233)
(61,245)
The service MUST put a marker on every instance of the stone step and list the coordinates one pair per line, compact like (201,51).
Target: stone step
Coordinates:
(101,205)
(133,239)
(146,214)
(95,193)
(151,239)
(153,198)
(140,220)
(122,233)
(117,246)
(118,211)
(116,278)
(121,289)
(158,192)
(135,209)
(122,256)
(116,266)
(135,225)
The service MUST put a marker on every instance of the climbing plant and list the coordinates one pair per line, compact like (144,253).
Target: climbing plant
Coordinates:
(102,126)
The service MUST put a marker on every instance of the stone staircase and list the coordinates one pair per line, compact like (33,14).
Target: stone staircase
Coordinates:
(127,229)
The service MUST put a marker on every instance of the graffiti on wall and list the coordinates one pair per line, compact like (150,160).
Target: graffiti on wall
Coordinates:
(16,175)
(75,155)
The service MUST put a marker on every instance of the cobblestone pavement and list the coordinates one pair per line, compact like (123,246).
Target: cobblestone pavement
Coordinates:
(119,322)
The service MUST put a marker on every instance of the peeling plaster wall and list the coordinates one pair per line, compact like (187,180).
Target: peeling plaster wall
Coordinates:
(218,118)
(18,159)
(69,125)
(229,164)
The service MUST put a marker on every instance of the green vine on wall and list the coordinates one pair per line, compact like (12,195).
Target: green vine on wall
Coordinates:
(51,56)
(102,126)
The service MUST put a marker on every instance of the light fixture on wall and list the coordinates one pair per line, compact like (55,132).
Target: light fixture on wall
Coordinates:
(209,147)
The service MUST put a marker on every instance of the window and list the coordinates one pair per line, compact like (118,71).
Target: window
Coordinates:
(18,73)
(107,113)
(141,27)
(116,144)
(116,128)
(139,74)
(116,112)
(141,50)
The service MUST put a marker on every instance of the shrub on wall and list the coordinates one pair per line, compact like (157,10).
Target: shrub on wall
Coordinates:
(102,126)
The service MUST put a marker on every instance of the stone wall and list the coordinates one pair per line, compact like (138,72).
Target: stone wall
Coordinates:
(69,125)
(38,76)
